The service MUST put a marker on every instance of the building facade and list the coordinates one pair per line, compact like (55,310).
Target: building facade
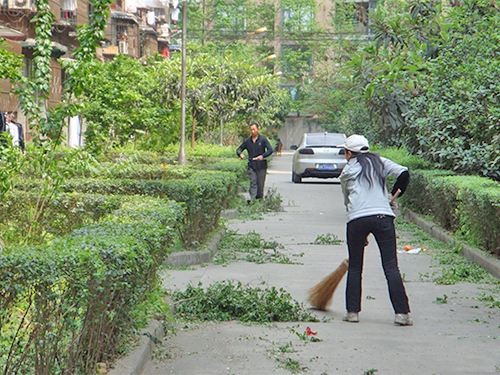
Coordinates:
(138,28)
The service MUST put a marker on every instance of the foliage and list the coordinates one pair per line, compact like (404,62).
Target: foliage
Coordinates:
(128,100)
(456,268)
(234,301)
(250,247)
(454,119)
(10,63)
(11,160)
(453,266)
(62,214)
(255,209)
(65,306)
(466,205)
(327,239)
(229,20)
(204,195)
(427,80)
(121,102)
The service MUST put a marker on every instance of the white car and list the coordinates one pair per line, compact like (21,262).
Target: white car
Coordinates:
(318,156)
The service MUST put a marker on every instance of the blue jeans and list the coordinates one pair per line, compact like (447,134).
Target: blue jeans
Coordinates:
(382,227)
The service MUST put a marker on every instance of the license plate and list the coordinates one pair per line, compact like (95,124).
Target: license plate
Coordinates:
(326,167)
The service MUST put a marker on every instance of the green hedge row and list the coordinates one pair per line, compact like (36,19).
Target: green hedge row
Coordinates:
(204,194)
(466,205)
(59,215)
(65,306)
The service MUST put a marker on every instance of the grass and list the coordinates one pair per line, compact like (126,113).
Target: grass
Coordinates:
(255,210)
(453,267)
(279,352)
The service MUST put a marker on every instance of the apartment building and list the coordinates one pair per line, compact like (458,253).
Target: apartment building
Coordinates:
(137,28)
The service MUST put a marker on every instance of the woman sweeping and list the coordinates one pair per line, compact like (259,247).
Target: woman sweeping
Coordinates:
(369,211)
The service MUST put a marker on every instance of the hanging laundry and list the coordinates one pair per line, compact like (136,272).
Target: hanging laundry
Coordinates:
(150,18)
(175,15)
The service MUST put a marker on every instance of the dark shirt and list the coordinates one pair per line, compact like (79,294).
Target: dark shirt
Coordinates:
(261,146)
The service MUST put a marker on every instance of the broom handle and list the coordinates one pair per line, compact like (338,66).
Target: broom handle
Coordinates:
(396,194)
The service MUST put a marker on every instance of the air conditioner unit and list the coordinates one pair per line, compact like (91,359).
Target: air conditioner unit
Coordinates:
(19,4)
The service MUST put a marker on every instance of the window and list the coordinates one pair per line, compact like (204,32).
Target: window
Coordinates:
(120,34)
(68,11)
(28,67)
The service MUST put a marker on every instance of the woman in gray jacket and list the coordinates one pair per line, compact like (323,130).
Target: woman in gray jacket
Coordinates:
(369,210)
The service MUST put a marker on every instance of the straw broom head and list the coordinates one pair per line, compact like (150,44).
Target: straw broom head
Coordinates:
(321,294)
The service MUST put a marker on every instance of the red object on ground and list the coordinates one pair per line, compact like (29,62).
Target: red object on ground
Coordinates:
(165,53)
(310,332)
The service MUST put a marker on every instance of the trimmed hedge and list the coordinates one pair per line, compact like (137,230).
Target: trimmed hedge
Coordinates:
(137,171)
(466,205)
(62,213)
(204,194)
(65,306)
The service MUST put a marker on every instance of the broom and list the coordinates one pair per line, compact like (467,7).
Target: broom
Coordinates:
(321,294)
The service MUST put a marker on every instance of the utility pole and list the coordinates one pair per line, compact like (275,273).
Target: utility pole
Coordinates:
(203,23)
(182,148)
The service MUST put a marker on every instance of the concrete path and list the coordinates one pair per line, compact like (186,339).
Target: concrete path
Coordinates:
(459,337)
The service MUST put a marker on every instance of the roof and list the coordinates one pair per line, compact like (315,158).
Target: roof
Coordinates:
(115,14)
(11,34)
(148,30)
(56,47)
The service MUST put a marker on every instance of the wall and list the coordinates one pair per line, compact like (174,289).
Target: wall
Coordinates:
(295,127)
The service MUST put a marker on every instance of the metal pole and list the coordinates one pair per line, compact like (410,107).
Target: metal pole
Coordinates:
(182,150)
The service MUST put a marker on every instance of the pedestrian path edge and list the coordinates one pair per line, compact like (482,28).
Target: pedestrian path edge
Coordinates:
(488,262)
(134,362)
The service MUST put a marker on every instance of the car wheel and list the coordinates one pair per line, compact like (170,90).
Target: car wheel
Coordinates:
(296,178)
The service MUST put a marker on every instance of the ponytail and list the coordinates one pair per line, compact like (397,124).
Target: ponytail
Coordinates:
(372,168)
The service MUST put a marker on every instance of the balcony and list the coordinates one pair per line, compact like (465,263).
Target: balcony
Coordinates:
(68,12)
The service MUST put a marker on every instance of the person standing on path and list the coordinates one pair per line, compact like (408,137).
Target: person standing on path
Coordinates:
(258,148)
(369,211)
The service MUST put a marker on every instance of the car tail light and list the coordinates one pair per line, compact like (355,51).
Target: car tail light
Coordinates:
(306,151)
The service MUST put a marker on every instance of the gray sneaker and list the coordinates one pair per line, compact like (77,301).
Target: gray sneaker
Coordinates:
(403,320)
(351,317)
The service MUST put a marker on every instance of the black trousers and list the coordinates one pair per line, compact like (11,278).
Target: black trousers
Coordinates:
(257,181)
(382,227)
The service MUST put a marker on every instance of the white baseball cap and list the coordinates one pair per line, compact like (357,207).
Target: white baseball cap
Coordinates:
(356,143)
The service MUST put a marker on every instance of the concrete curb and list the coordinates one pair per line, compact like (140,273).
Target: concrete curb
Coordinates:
(488,262)
(133,363)
(189,258)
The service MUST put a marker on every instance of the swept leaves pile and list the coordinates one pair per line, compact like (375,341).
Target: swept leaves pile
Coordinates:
(250,247)
(226,300)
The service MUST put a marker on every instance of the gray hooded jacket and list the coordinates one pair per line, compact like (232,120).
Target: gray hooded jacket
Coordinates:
(362,200)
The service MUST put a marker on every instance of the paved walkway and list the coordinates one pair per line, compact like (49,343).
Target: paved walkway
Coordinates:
(458,337)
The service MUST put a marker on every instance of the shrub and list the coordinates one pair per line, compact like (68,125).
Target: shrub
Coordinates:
(65,306)
(204,150)
(467,205)
(402,156)
(204,194)
(61,214)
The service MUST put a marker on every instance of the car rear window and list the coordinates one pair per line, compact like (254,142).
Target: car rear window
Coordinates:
(325,140)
